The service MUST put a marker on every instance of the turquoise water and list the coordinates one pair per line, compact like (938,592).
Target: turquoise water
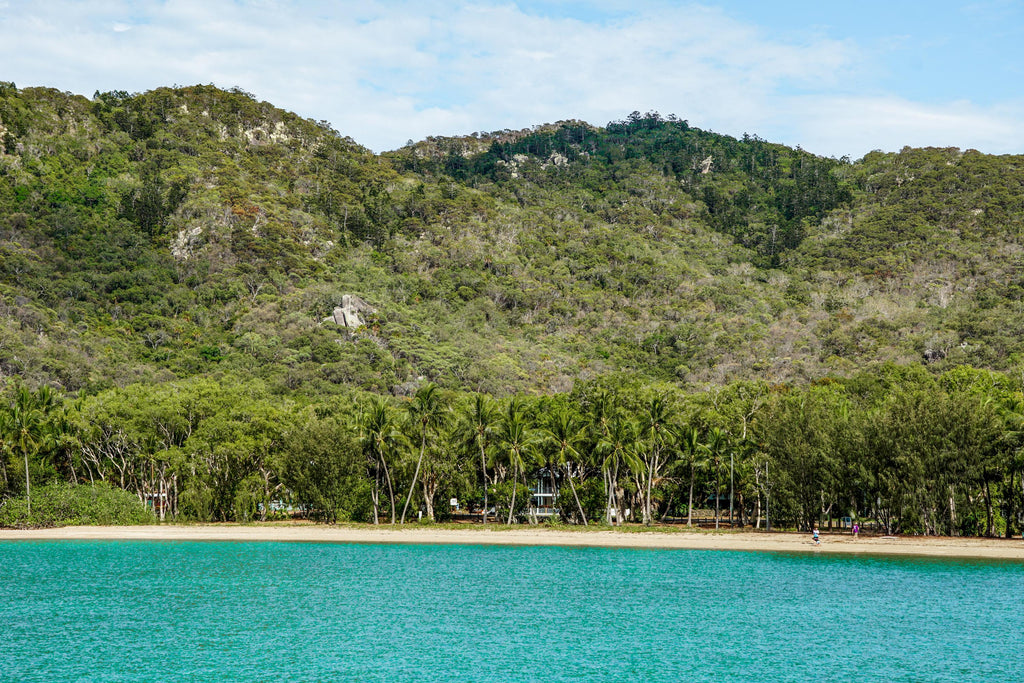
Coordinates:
(162,611)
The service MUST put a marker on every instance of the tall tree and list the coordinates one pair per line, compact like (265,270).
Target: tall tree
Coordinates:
(427,411)
(658,431)
(476,423)
(716,447)
(382,437)
(616,446)
(516,442)
(564,433)
(689,446)
(28,427)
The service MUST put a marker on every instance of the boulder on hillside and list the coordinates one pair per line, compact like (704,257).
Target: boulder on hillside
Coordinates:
(348,314)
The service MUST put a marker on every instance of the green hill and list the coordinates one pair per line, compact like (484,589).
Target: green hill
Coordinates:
(194,231)
(209,301)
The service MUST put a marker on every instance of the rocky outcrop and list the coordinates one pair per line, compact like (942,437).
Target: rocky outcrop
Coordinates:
(349,313)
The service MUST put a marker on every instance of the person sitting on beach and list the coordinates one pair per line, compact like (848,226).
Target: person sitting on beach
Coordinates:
(817,540)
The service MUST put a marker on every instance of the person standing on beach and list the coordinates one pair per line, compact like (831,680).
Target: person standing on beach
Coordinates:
(856,529)
(817,540)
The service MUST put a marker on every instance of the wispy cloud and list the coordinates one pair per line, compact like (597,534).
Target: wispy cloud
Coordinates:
(889,123)
(384,72)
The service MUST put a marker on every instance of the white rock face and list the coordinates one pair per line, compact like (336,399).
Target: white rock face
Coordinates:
(265,134)
(347,315)
(183,246)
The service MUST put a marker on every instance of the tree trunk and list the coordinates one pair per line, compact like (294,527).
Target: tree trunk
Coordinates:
(651,469)
(416,474)
(613,481)
(429,489)
(689,505)
(515,485)
(391,489)
(375,497)
(28,487)
(952,512)
(668,506)
(609,499)
(1010,510)
(483,464)
(718,490)
(990,522)
(574,495)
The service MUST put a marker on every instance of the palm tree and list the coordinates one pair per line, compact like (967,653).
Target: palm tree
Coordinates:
(615,445)
(66,441)
(27,427)
(381,435)
(564,433)
(475,426)
(658,430)
(6,431)
(426,411)
(716,447)
(516,442)
(690,448)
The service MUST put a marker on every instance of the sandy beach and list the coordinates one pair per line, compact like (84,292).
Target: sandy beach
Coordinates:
(983,548)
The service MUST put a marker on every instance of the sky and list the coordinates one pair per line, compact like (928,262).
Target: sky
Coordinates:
(836,78)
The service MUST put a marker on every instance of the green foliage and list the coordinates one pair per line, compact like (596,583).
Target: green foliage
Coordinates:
(592,498)
(194,231)
(852,332)
(61,504)
(321,467)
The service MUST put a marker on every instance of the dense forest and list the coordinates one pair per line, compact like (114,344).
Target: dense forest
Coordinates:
(227,312)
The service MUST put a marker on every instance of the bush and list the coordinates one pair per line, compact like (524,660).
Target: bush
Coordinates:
(501,496)
(67,505)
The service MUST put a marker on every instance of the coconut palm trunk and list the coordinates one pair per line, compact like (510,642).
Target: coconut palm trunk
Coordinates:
(415,476)
(575,495)
(515,486)
(425,410)
(483,467)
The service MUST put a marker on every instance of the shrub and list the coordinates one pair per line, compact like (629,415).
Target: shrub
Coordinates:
(68,505)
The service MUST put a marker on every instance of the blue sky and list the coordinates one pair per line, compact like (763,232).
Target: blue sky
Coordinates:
(835,78)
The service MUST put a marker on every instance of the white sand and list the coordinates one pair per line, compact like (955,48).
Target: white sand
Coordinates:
(501,535)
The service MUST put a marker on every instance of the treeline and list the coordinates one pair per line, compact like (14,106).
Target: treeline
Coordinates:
(909,451)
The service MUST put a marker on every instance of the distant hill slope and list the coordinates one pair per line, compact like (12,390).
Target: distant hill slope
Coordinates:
(196,231)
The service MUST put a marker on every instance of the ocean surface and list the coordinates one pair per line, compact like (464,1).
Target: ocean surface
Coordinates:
(204,611)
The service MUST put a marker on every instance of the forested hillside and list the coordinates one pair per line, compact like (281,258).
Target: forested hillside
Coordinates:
(185,250)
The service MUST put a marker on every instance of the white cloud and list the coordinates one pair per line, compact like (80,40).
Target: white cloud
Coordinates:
(383,72)
(856,125)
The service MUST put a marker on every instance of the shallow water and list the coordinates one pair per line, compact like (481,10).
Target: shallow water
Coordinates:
(156,610)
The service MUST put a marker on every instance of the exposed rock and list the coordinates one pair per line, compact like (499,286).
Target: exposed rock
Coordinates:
(185,243)
(348,314)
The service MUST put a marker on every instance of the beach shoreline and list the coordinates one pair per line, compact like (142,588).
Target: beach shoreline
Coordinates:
(749,541)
